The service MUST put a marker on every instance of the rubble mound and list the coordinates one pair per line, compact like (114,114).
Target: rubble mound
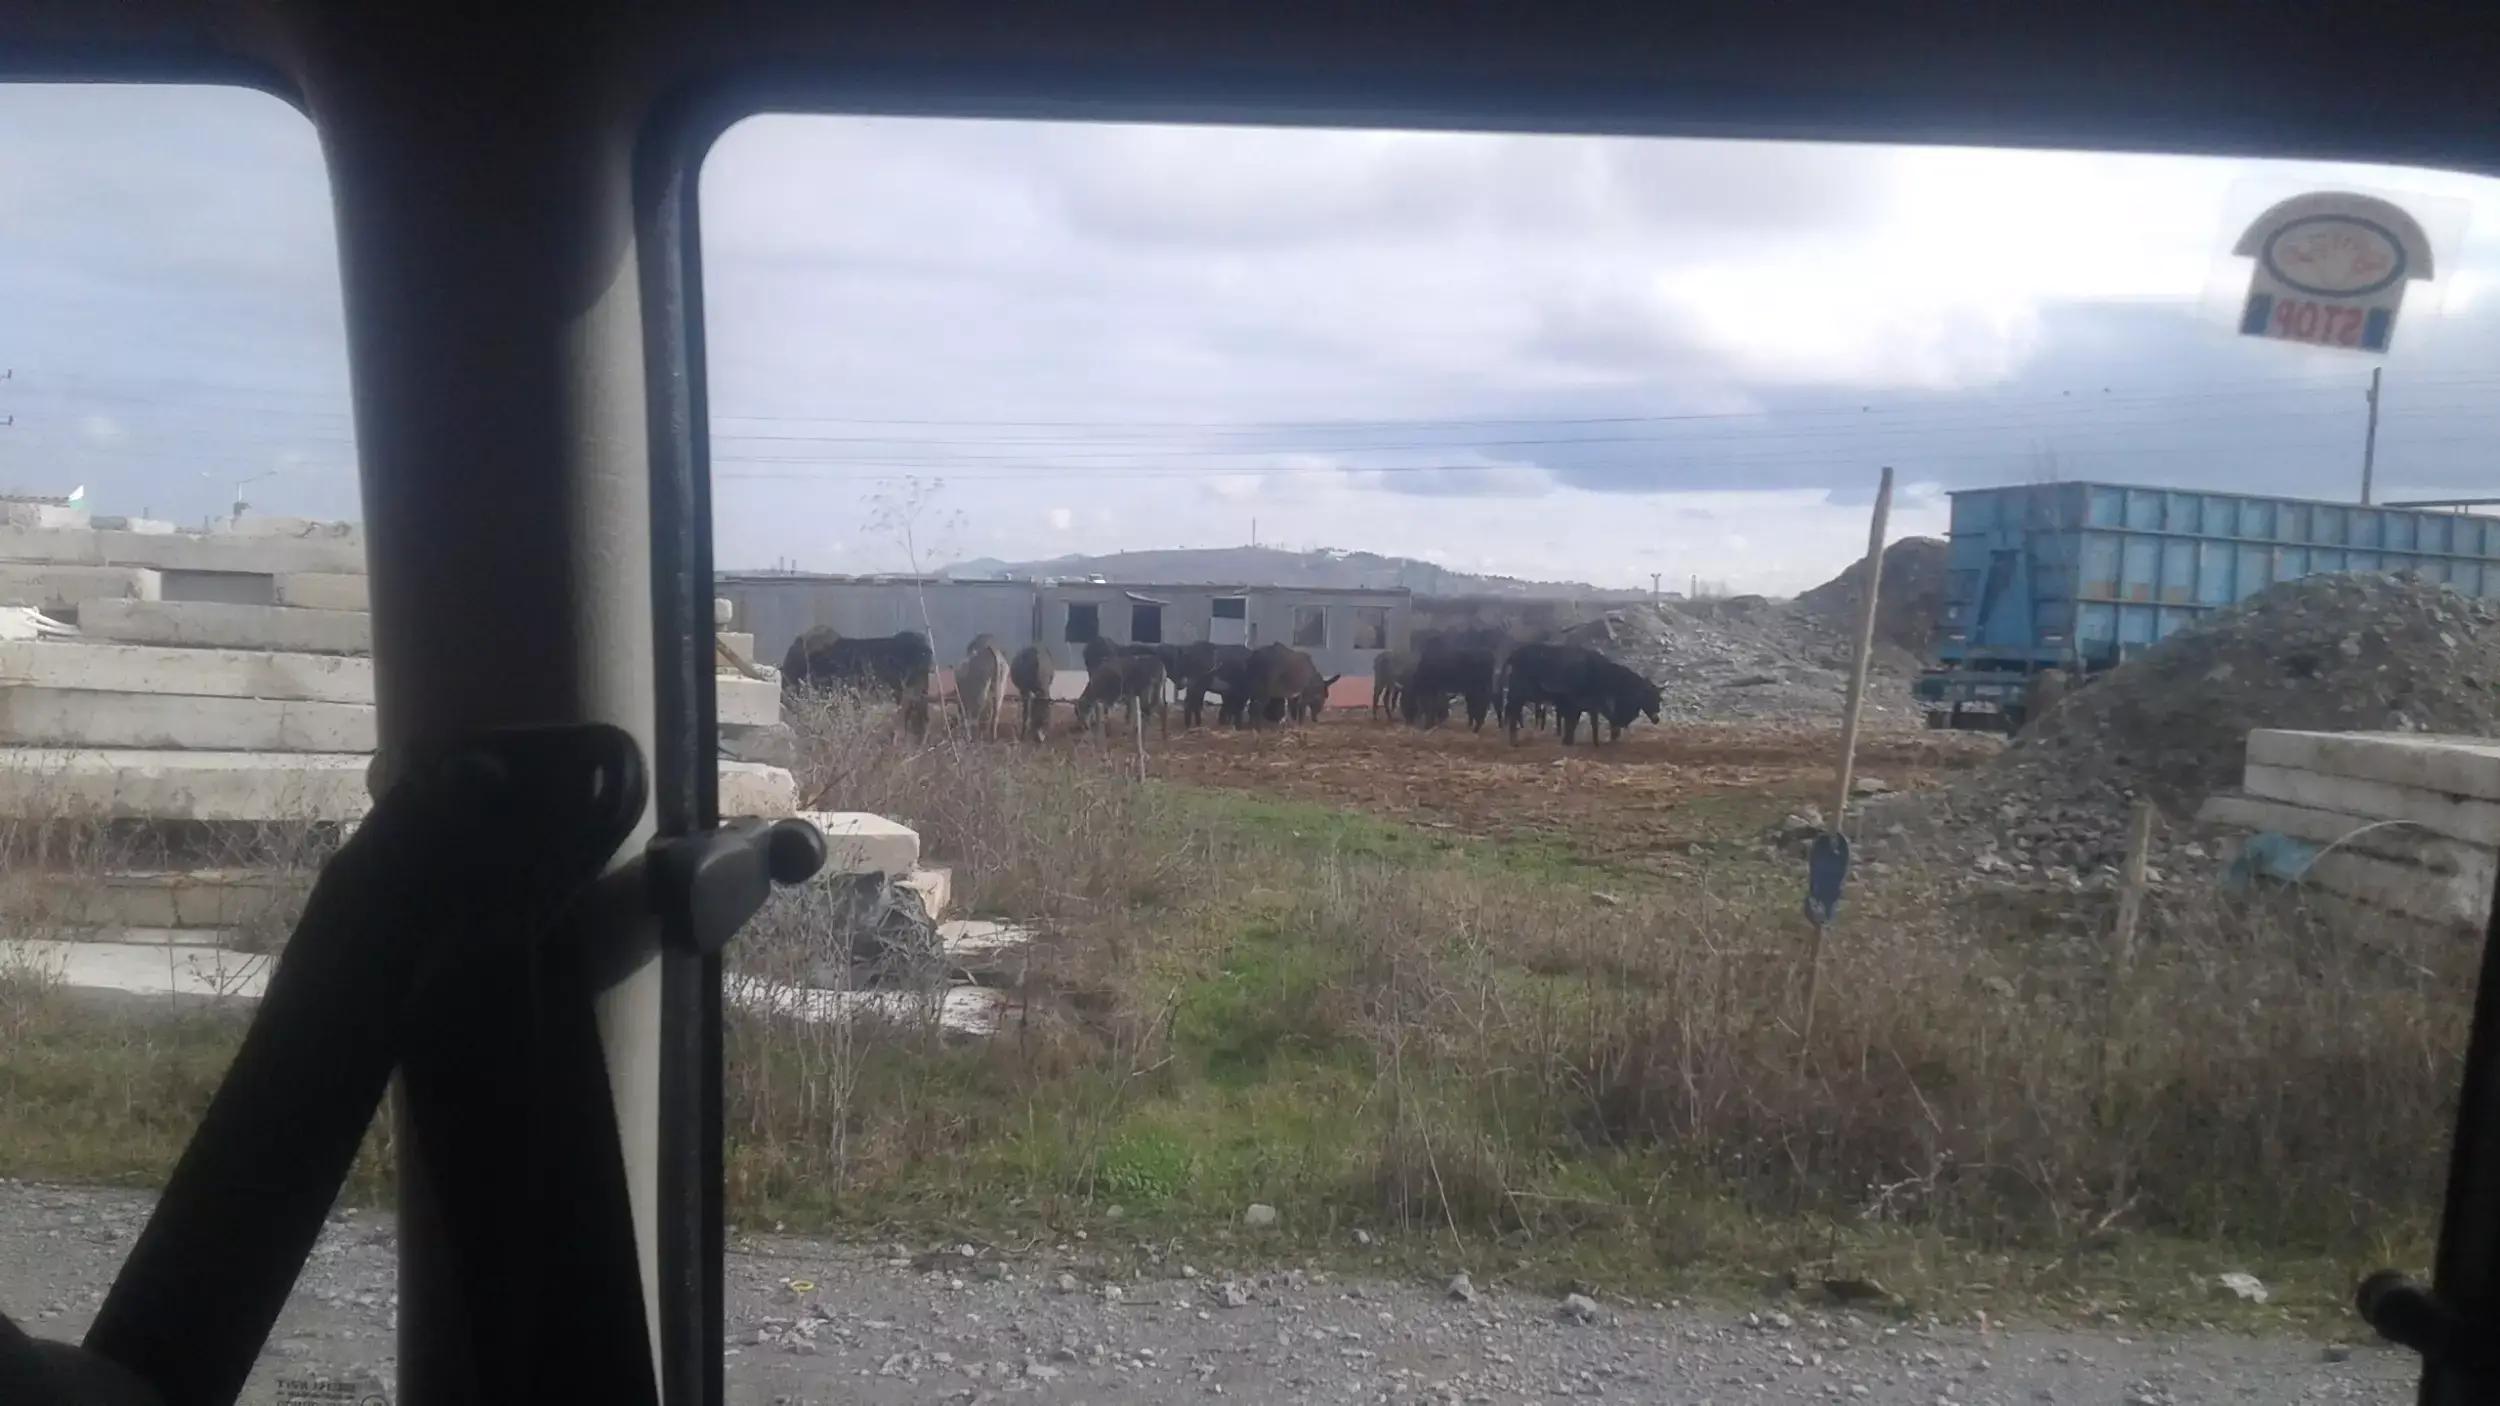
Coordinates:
(1908,606)
(2331,653)
(2358,652)
(1752,657)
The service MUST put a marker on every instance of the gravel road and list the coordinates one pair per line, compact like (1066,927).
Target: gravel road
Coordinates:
(819,1322)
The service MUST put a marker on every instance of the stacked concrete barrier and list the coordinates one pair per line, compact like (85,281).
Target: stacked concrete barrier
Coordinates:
(2403,824)
(215,708)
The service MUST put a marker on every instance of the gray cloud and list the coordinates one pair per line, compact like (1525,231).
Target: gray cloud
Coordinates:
(1438,344)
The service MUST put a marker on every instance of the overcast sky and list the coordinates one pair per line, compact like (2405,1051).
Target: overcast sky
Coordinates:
(1570,358)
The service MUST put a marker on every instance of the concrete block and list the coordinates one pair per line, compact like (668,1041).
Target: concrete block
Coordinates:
(219,673)
(60,590)
(171,905)
(225,587)
(935,885)
(39,783)
(2447,899)
(723,612)
(773,746)
(221,626)
(746,702)
(2457,817)
(65,717)
(179,551)
(42,515)
(860,843)
(752,790)
(2457,766)
(323,590)
(739,640)
(2359,834)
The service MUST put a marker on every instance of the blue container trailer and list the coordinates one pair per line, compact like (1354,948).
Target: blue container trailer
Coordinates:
(2079,576)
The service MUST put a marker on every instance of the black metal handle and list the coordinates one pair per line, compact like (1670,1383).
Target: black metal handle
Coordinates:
(706,886)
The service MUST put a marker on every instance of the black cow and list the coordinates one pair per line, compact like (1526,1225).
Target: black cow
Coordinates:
(1627,696)
(1279,681)
(1446,669)
(1135,679)
(1031,672)
(1200,668)
(896,665)
(1575,680)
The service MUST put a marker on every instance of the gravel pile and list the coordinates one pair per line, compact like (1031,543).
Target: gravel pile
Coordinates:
(1912,602)
(2331,653)
(1750,657)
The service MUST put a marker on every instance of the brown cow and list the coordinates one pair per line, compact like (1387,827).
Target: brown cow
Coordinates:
(1392,670)
(981,684)
(1280,682)
(1135,679)
(1032,673)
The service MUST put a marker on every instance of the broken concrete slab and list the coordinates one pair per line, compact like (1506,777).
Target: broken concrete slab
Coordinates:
(60,590)
(748,791)
(64,717)
(746,702)
(979,944)
(859,843)
(218,625)
(2456,766)
(739,640)
(323,590)
(2457,817)
(954,1010)
(179,551)
(218,673)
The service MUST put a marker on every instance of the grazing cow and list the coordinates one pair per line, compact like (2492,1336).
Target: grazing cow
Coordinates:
(1446,669)
(896,665)
(1277,680)
(1135,679)
(1032,672)
(1391,672)
(1199,669)
(981,684)
(1575,680)
(1627,695)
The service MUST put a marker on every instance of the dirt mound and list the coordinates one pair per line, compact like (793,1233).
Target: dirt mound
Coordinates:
(1908,606)
(2334,653)
(2355,652)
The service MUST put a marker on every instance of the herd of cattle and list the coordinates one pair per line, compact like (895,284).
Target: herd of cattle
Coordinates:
(1488,672)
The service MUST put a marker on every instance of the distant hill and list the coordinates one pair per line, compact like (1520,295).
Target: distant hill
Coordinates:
(1271,566)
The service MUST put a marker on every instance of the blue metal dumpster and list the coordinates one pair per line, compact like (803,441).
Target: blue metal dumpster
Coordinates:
(2079,576)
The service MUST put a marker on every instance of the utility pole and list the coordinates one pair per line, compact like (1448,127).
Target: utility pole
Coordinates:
(2369,440)
(1653,586)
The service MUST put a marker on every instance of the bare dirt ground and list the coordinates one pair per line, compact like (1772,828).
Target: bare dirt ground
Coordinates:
(1640,800)
(813,1321)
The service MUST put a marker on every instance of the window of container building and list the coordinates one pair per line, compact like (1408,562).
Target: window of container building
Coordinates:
(1145,623)
(1084,624)
(1310,627)
(1371,627)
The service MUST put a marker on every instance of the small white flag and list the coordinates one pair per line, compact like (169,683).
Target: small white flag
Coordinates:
(78,494)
